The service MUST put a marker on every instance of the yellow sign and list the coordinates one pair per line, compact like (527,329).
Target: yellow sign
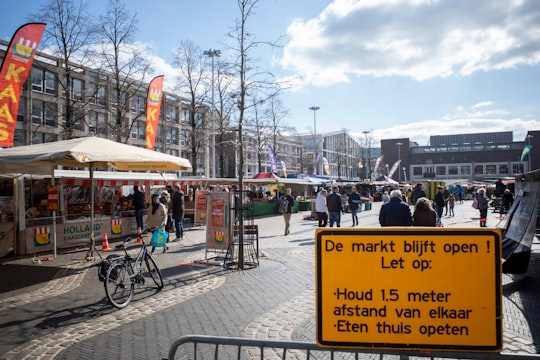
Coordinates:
(419,288)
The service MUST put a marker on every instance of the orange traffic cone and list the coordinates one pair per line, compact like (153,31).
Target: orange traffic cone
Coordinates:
(105,243)
(139,235)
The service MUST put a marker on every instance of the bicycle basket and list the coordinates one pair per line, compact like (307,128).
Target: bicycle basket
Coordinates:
(104,266)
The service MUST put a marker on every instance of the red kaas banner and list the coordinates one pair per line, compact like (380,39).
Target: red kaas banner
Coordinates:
(13,73)
(153,105)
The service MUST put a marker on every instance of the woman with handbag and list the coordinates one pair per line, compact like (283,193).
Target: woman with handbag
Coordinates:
(157,218)
(483,204)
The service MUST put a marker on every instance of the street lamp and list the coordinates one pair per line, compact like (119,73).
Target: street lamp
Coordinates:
(212,53)
(399,143)
(314,109)
(368,175)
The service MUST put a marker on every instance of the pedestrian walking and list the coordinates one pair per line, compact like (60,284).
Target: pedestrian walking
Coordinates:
(483,205)
(424,214)
(157,218)
(334,204)
(139,206)
(287,213)
(385,197)
(165,199)
(179,209)
(354,200)
(321,209)
(396,212)
(506,201)
(439,203)
(451,204)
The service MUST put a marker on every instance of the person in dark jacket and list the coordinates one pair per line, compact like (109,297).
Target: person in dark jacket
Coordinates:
(178,209)
(440,203)
(288,213)
(396,212)
(334,204)
(506,201)
(139,206)
(417,193)
(354,201)
(424,214)
(483,205)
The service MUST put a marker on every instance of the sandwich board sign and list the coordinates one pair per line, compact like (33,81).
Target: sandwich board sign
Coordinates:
(413,288)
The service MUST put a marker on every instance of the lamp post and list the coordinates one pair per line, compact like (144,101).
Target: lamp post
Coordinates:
(314,109)
(212,53)
(399,143)
(368,164)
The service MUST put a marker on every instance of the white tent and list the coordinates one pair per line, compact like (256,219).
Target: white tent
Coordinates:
(87,152)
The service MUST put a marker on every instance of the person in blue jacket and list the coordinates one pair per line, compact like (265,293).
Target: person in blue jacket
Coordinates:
(396,212)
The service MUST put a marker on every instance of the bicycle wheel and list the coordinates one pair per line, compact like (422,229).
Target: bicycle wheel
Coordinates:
(118,286)
(151,270)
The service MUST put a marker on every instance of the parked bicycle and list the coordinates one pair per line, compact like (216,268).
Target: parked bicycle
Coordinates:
(120,274)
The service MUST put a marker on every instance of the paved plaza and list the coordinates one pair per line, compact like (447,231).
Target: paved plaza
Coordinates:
(58,309)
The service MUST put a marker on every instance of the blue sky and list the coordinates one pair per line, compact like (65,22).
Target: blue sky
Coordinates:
(396,68)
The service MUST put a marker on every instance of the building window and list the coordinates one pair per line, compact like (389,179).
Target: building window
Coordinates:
(491,169)
(171,135)
(123,100)
(441,170)
(138,131)
(42,138)
(173,152)
(21,113)
(184,136)
(518,168)
(19,137)
(452,170)
(417,171)
(478,169)
(98,94)
(138,104)
(171,113)
(44,113)
(76,89)
(43,81)
(465,170)
(503,169)
(184,118)
(97,122)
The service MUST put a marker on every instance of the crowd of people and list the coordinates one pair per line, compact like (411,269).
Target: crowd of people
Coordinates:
(400,210)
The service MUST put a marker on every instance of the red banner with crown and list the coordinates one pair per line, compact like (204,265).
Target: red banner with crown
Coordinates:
(153,105)
(13,73)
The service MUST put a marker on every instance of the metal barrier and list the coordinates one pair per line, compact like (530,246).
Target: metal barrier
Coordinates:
(195,347)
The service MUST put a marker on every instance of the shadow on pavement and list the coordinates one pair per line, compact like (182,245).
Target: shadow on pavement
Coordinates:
(19,276)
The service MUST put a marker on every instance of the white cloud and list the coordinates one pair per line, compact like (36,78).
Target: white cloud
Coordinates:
(420,39)
(465,120)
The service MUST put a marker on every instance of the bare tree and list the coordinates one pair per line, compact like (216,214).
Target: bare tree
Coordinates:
(225,108)
(192,63)
(125,62)
(68,35)
(249,81)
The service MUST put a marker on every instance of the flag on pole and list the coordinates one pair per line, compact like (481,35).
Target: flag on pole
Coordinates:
(272,158)
(326,166)
(13,73)
(284,168)
(525,152)
(394,168)
(153,106)
(377,163)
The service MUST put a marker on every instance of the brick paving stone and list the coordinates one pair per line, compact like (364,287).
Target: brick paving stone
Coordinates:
(272,301)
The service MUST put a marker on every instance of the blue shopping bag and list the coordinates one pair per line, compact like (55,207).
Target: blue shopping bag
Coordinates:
(159,237)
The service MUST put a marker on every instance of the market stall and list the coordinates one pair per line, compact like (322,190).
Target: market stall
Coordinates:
(90,152)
